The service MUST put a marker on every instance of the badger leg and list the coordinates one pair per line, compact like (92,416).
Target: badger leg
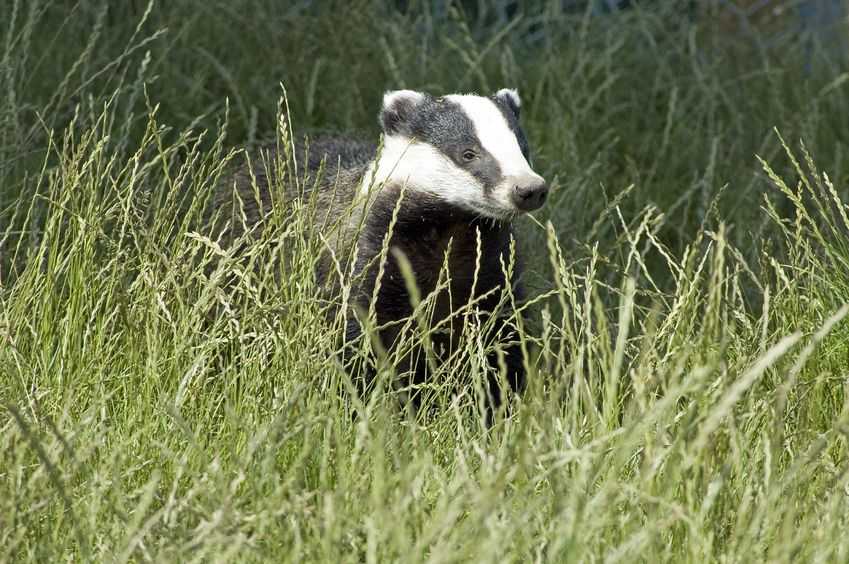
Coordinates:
(513,374)
(411,369)
(361,370)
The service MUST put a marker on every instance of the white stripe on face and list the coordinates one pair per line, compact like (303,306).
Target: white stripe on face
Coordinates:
(420,166)
(494,133)
(498,139)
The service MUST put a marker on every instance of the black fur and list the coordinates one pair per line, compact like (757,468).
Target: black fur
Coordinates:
(426,231)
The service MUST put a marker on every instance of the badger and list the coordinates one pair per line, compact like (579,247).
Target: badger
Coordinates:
(440,193)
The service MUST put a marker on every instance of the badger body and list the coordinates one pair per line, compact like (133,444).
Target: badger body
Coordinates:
(447,181)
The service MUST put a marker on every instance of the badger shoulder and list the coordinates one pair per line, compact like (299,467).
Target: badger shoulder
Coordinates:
(327,167)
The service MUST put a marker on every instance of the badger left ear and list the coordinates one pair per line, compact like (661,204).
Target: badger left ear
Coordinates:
(510,97)
(398,109)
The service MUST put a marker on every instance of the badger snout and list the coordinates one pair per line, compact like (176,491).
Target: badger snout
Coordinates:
(529,192)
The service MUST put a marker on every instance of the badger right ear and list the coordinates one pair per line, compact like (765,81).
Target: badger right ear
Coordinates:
(398,108)
(510,97)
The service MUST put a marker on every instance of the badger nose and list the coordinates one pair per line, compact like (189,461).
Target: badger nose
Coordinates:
(529,193)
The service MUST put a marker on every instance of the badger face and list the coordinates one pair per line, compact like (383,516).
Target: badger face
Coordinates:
(467,150)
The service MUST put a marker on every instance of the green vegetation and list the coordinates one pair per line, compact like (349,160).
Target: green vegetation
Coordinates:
(688,323)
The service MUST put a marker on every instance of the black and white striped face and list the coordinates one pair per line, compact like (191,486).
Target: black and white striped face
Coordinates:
(467,150)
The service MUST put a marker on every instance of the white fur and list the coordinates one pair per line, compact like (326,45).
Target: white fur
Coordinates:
(392,97)
(494,133)
(496,137)
(420,166)
(511,93)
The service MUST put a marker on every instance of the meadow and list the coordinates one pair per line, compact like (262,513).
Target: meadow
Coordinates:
(686,324)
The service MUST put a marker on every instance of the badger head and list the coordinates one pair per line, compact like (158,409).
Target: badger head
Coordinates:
(464,149)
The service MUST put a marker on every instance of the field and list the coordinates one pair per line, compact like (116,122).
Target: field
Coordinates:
(686,325)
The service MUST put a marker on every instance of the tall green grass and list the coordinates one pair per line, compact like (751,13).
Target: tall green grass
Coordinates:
(687,326)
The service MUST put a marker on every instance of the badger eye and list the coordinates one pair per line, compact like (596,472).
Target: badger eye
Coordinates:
(469,155)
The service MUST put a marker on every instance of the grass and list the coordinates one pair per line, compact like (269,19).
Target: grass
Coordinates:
(690,281)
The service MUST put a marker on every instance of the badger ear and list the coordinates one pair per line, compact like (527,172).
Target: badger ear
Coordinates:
(398,108)
(510,97)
